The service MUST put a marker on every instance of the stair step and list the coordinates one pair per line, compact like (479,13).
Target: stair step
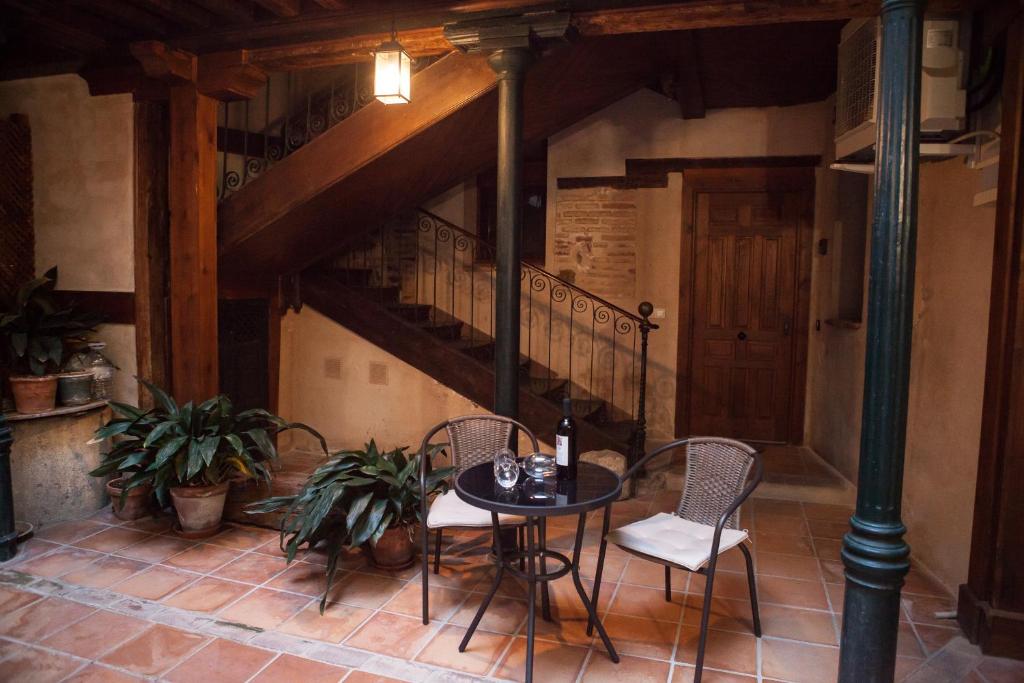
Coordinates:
(442,326)
(352,277)
(481,349)
(385,295)
(412,312)
(551,388)
(590,409)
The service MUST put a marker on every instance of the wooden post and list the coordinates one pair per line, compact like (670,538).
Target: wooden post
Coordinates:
(193,263)
(874,552)
(991,605)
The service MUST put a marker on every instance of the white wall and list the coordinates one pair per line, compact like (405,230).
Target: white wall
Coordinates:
(82,166)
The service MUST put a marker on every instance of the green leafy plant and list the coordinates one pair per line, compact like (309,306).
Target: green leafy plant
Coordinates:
(352,499)
(35,327)
(190,445)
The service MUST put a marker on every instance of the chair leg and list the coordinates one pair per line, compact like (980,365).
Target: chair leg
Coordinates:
(600,565)
(753,590)
(705,617)
(437,552)
(668,583)
(425,575)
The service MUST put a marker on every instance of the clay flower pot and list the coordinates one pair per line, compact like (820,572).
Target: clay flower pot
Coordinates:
(199,509)
(394,550)
(34,394)
(135,505)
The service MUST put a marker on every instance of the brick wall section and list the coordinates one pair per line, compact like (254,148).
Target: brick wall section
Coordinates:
(595,239)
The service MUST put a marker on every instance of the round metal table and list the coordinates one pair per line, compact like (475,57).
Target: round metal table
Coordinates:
(535,501)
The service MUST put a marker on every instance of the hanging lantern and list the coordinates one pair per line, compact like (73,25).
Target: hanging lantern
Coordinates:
(392,73)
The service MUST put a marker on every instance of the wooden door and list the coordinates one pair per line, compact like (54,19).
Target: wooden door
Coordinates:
(744,304)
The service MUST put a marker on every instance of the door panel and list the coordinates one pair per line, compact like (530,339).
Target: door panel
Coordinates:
(743,310)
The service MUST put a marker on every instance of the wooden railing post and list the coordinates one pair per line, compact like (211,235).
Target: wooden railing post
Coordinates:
(874,552)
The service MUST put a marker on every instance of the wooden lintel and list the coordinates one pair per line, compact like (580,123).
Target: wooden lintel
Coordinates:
(230,75)
(310,55)
(165,63)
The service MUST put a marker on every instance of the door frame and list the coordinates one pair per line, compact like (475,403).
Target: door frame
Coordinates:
(732,176)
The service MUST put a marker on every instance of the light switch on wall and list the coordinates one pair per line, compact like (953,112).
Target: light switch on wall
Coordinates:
(332,368)
(658,314)
(378,373)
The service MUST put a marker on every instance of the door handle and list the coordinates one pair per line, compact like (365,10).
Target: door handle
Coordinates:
(742,336)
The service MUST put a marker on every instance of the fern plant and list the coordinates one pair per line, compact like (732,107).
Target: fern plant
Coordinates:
(352,499)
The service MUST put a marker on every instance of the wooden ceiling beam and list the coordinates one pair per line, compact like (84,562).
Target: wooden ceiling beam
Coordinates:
(689,91)
(334,4)
(131,17)
(418,43)
(165,63)
(230,76)
(282,8)
(179,12)
(229,9)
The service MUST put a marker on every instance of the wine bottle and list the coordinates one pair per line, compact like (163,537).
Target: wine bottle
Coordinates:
(565,444)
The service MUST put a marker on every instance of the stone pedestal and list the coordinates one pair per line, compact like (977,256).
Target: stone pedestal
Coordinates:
(50,462)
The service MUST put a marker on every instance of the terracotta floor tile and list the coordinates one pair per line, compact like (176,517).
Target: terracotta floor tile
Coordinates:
(97,633)
(154,583)
(613,566)
(907,643)
(832,513)
(601,669)
(443,601)
(788,566)
(105,572)
(291,668)
(365,590)
(836,593)
(38,620)
(765,541)
(106,516)
(96,673)
(334,625)
(566,627)
(998,670)
(771,506)
(155,549)
(936,637)
(252,568)
(920,583)
(60,561)
(304,578)
(922,609)
(481,654)
(726,614)
(160,524)
(791,592)
(832,571)
(503,615)
(392,634)
(828,548)
(110,540)
(12,600)
(641,637)
(643,573)
(798,624)
(464,576)
(724,650)
(684,674)
(647,603)
(222,661)
(821,528)
(29,665)
(244,537)
(30,549)
(365,677)
(264,608)
(202,558)
(69,532)
(727,585)
(798,662)
(780,524)
(155,651)
(552,663)
(207,595)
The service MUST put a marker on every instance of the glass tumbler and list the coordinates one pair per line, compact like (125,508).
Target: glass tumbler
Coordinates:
(506,468)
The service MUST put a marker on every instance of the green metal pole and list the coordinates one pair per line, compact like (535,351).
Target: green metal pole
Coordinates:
(874,552)
(510,64)
(8,532)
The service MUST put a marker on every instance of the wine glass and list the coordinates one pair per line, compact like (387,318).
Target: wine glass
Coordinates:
(506,469)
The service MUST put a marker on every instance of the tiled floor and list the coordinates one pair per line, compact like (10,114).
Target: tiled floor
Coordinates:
(95,600)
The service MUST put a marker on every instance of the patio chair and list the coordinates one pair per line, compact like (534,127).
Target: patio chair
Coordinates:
(472,439)
(720,475)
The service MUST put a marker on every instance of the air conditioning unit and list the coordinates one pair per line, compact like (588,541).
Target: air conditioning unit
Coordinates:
(943,98)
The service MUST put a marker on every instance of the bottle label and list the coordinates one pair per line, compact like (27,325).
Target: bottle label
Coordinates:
(562,451)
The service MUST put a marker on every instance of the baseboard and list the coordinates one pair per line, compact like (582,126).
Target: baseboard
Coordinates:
(997,632)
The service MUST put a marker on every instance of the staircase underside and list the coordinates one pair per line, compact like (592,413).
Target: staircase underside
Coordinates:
(382,160)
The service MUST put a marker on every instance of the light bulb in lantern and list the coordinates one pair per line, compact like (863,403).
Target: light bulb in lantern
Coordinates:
(392,73)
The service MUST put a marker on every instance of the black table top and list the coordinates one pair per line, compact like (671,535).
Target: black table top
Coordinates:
(595,486)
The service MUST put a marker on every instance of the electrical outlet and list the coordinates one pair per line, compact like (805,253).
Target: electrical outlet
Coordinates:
(332,368)
(378,373)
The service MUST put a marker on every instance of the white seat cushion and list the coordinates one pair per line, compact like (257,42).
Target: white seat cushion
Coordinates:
(675,539)
(450,510)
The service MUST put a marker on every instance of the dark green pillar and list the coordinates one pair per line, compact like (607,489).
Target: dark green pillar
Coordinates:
(8,532)
(510,64)
(874,552)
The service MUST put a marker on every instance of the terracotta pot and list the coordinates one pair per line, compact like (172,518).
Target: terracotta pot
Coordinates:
(74,388)
(199,508)
(34,394)
(394,550)
(135,505)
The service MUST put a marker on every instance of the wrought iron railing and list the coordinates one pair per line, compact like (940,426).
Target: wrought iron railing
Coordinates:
(573,342)
(292,109)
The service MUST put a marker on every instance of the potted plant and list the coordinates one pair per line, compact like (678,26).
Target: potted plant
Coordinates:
(189,454)
(35,328)
(364,498)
